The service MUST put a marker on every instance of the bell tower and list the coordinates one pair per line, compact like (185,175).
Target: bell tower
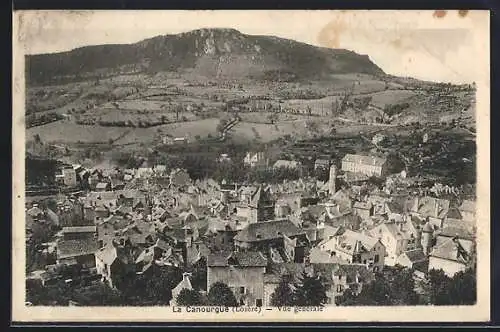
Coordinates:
(332,179)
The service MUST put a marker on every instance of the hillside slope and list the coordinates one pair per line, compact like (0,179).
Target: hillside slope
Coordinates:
(208,52)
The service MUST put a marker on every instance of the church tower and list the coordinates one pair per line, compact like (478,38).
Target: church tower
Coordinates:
(332,179)
(427,233)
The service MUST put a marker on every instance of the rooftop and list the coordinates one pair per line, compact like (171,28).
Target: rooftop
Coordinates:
(243,259)
(268,230)
(75,248)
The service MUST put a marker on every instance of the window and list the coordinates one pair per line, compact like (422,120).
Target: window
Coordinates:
(340,288)
(364,261)
(258,302)
(242,302)
(242,290)
(377,258)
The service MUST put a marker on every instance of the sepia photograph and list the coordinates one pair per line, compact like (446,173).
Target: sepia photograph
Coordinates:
(241,166)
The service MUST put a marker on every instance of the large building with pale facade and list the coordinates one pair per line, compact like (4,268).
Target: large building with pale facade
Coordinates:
(367,165)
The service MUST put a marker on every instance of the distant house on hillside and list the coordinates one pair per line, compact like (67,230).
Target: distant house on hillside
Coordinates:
(288,164)
(256,159)
(322,164)
(367,165)
(103,186)
(66,176)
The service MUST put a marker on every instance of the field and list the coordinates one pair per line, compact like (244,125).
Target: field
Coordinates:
(388,97)
(67,132)
(138,111)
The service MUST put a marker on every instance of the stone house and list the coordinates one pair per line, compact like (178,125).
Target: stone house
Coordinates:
(432,209)
(256,160)
(363,209)
(281,235)
(77,252)
(185,283)
(355,247)
(115,263)
(256,204)
(243,272)
(451,256)
(397,238)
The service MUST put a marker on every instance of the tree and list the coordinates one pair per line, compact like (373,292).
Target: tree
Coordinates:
(221,295)
(153,289)
(393,287)
(462,289)
(402,287)
(310,292)
(348,298)
(283,295)
(377,292)
(437,287)
(189,297)
(98,295)
(57,294)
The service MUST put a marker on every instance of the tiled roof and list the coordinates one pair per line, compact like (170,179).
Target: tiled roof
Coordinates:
(366,160)
(349,242)
(243,259)
(396,207)
(268,230)
(431,207)
(451,250)
(318,256)
(185,283)
(398,230)
(454,213)
(416,255)
(362,205)
(462,231)
(102,185)
(277,270)
(75,248)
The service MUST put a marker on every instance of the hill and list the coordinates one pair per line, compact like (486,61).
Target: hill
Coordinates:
(208,52)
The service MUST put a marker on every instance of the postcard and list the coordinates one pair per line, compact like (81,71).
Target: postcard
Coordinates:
(251,166)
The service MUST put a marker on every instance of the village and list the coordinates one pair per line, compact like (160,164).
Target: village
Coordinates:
(155,236)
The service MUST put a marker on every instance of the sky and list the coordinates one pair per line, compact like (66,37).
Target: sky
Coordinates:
(442,46)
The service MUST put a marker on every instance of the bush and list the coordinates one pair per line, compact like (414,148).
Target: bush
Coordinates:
(189,297)
(221,295)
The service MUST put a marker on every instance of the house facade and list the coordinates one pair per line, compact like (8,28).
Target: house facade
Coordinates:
(256,160)
(242,272)
(397,238)
(355,247)
(367,165)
